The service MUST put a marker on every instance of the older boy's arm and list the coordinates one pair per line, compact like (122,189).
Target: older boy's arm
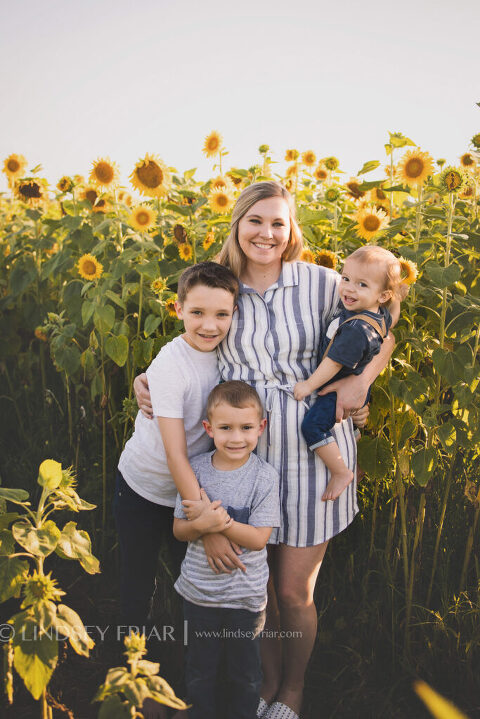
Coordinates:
(213,519)
(172,430)
(352,391)
(247,536)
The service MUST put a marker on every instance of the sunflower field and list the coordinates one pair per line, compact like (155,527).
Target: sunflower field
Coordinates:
(88,276)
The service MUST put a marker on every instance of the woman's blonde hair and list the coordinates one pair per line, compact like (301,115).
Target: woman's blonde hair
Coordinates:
(231,255)
(392,268)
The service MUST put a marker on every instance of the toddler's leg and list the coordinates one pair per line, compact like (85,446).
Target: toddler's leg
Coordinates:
(341,475)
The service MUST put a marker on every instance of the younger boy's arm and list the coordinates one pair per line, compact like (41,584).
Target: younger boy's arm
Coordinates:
(247,536)
(324,372)
(213,518)
(172,430)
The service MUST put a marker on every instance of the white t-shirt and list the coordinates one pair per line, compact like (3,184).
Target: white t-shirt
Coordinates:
(180,379)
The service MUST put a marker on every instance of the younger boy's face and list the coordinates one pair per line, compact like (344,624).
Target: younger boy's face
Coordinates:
(362,286)
(235,431)
(207,316)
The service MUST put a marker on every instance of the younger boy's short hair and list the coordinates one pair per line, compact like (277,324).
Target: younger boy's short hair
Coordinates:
(235,393)
(210,274)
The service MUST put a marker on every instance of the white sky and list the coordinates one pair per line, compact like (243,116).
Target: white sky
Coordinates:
(83,79)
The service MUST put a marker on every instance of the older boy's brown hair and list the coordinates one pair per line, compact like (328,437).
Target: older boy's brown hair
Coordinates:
(236,394)
(210,274)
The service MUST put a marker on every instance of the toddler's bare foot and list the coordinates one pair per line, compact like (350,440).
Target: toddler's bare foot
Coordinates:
(339,481)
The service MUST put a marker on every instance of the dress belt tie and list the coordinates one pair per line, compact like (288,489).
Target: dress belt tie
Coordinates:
(273,402)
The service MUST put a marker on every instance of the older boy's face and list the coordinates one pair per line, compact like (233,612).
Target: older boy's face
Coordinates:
(235,431)
(207,316)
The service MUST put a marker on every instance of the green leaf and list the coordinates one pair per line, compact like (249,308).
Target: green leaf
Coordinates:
(75,544)
(113,708)
(87,311)
(448,365)
(424,462)
(13,571)
(408,429)
(399,140)
(448,436)
(69,624)
(442,277)
(21,277)
(7,543)
(151,324)
(103,318)
(68,359)
(116,348)
(368,167)
(7,517)
(35,662)
(13,495)
(148,668)
(39,542)
(115,298)
(375,456)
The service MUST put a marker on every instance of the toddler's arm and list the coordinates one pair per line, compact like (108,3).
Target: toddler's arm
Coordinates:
(247,536)
(324,372)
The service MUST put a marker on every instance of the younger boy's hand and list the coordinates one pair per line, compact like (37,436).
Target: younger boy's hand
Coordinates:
(222,554)
(302,390)
(213,517)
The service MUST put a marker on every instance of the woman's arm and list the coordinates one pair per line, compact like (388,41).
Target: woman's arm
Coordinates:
(324,372)
(352,391)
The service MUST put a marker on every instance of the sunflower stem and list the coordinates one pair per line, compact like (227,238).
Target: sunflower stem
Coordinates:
(439,530)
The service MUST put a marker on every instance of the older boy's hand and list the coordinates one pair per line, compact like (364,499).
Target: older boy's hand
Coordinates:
(222,554)
(193,508)
(142,393)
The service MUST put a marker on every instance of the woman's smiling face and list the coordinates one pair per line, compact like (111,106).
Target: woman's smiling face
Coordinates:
(264,230)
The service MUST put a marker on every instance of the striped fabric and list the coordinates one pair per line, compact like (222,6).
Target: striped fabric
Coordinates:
(273,343)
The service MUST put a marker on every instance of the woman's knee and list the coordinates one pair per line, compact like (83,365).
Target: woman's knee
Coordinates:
(293,595)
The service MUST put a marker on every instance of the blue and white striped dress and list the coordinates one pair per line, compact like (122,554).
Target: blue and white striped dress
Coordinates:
(272,344)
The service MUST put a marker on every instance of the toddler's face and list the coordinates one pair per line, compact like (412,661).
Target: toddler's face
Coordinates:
(207,316)
(235,431)
(362,286)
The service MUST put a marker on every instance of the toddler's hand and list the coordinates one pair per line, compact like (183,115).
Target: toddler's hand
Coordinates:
(301,390)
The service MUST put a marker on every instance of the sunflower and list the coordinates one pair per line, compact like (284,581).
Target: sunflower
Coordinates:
(40,587)
(409,271)
(263,149)
(309,158)
(378,196)
(104,173)
(415,166)
(209,240)
(222,183)
(325,258)
(142,218)
(170,306)
(353,189)
(331,163)
(292,170)
(467,192)
(14,166)
(451,179)
(234,178)
(179,234)
(185,251)
(89,267)
(475,141)
(307,255)
(291,155)
(468,161)
(332,194)
(65,184)
(32,190)
(79,179)
(321,173)
(151,176)
(213,144)
(370,222)
(40,334)
(158,286)
(221,201)
(125,197)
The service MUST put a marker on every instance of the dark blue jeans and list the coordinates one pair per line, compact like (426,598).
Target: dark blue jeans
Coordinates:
(143,527)
(232,635)
(320,419)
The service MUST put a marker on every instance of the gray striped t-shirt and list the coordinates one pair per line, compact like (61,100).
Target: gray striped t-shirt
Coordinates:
(250,495)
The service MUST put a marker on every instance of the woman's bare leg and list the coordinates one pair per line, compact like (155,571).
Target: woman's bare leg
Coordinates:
(296,571)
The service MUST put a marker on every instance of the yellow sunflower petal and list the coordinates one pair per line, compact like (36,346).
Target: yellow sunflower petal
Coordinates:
(213,144)
(89,267)
(104,174)
(151,176)
(414,167)
(142,218)
(170,306)
(370,222)
(307,255)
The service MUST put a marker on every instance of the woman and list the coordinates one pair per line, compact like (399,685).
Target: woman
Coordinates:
(283,310)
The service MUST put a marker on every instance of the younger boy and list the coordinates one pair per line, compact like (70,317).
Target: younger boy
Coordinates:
(154,465)
(227,611)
